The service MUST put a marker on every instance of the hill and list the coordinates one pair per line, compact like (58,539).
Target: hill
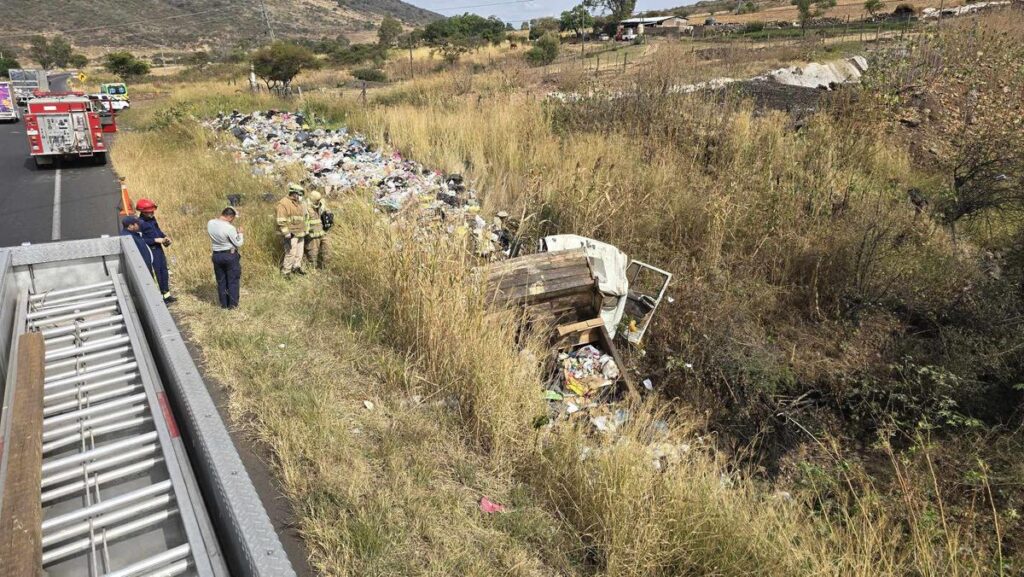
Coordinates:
(199,23)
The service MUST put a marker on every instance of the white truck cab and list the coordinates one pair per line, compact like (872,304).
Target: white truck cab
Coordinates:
(631,290)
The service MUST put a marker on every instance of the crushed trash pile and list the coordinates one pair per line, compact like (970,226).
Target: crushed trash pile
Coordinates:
(583,389)
(337,161)
(588,370)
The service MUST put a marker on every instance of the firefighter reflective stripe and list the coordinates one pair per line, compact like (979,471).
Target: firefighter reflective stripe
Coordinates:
(315,226)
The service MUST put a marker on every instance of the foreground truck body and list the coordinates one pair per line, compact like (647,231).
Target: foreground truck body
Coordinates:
(64,126)
(133,467)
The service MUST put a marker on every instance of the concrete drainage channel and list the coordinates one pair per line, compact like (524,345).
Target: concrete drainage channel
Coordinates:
(113,458)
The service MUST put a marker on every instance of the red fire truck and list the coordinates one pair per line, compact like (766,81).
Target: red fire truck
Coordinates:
(64,125)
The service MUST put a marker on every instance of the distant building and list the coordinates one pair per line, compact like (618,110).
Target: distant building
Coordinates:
(655,22)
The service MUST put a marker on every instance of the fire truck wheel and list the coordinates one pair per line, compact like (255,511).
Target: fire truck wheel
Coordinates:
(100,158)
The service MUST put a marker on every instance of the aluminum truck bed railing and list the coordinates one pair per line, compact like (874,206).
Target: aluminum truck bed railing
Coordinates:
(124,490)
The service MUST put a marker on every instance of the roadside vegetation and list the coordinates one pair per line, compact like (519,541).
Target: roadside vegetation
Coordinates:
(838,376)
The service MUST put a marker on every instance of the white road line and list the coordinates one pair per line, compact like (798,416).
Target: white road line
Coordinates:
(55,231)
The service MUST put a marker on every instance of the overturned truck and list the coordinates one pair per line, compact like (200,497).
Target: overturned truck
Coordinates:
(585,293)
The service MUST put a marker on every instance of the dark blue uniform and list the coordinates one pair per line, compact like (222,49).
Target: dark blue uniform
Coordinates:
(147,255)
(150,232)
(227,267)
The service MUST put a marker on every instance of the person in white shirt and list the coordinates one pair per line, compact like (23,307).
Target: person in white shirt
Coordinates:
(227,261)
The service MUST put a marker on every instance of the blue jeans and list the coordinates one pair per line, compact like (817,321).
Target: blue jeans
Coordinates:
(228,269)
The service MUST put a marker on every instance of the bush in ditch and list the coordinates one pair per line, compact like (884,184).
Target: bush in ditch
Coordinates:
(545,51)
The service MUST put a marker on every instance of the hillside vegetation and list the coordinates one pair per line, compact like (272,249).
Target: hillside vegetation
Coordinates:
(219,24)
(837,379)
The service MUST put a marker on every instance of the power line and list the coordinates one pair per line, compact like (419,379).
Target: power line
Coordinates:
(483,5)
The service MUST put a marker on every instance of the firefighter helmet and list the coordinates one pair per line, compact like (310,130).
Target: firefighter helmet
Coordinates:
(295,189)
(145,205)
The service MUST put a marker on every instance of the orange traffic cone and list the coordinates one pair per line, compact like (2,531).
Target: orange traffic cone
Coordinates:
(127,207)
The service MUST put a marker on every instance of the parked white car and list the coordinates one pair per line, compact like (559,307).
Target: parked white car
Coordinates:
(109,103)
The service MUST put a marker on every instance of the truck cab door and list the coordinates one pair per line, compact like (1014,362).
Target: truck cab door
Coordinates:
(647,286)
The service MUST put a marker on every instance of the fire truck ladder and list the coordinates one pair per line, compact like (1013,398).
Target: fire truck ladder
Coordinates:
(118,494)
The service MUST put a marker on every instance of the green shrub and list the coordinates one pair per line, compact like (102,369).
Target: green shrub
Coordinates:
(359,53)
(370,75)
(545,51)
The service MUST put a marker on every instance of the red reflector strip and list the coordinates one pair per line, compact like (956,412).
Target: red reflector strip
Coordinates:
(165,408)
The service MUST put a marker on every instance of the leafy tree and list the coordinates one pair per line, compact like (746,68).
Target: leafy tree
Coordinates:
(125,65)
(389,30)
(541,26)
(451,52)
(55,53)
(874,6)
(524,26)
(78,60)
(748,7)
(278,64)
(545,51)
(8,60)
(577,20)
(808,9)
(409,40)
(465,30)
(198,60)
(617,9)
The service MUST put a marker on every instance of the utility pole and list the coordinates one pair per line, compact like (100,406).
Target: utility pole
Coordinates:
(266,20)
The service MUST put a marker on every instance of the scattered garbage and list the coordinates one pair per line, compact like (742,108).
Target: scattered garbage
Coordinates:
(488,506)
(610,423)
(368,405)
(587,370)
(337,161)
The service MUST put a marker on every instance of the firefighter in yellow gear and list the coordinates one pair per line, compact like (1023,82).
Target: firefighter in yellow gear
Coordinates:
(317,246)
(291,224)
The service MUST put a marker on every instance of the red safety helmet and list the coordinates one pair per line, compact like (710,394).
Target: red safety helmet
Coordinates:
(145,205)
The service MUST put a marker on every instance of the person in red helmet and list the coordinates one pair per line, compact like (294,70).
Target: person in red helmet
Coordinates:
(157,241)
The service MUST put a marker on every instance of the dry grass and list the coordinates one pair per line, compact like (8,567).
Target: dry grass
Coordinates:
(394,490)
(767,227)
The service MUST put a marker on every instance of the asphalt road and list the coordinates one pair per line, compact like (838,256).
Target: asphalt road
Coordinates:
(73,200)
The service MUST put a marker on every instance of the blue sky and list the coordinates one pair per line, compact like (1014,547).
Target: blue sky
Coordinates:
(517,11)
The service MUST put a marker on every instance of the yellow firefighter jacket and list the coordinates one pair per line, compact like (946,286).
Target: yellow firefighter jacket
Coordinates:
(291,217)
(314,225)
